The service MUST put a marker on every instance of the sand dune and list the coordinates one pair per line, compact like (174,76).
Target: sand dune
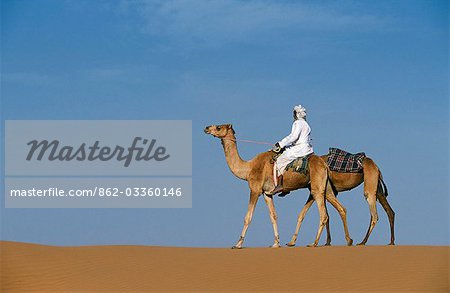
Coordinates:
(31,267)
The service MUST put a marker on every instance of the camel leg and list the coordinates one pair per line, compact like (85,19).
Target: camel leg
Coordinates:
(320,201)
(318,177)
(371,199)
(327,227)
(301,216)
(248,218)
(390,213)
(273,219)
(343,213)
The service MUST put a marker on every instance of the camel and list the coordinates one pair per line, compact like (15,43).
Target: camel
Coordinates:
(258,172)
(374,188)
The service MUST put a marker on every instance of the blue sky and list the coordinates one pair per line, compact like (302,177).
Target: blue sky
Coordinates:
(372,74)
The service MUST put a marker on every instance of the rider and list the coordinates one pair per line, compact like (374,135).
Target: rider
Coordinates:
(297,144)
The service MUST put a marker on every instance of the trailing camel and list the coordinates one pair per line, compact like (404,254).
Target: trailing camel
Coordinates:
(374,189)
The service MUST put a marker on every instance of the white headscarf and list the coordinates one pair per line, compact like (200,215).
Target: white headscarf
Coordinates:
(300,112)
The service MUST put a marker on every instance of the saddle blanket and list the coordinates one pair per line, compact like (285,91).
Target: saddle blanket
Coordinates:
(342,161)
(299,165)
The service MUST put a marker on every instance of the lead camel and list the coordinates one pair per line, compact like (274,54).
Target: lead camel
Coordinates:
(258,172)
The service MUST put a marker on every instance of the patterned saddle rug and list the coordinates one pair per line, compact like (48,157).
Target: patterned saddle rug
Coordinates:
(342,161)
(299,165)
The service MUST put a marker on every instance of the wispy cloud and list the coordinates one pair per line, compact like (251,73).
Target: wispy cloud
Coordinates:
(234,20)
(105,74)
(30,79)
(120,74)
(100,74)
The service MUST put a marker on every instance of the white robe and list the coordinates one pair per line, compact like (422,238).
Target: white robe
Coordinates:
(297,144)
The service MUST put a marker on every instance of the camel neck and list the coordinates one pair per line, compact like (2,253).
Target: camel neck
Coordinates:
(238,167)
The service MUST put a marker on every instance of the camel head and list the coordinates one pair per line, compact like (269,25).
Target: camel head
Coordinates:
(220,131)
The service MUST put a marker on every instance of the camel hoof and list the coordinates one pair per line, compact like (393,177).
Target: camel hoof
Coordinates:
(275,246)
(311,245)
(350,242)
(290,244)
(361,244)
(327,244)
(392,243)
(236,247)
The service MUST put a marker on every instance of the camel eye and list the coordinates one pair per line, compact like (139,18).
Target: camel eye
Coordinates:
(218,127)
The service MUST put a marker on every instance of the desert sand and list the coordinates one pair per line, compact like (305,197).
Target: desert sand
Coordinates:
(32,267)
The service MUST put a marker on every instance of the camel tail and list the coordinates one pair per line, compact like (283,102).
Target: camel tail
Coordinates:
(329,181)
(382,186)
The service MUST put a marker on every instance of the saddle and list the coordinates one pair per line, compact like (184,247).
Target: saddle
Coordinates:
(299,165)
(345,162)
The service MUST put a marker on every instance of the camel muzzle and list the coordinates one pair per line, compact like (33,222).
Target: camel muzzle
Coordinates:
(206,130)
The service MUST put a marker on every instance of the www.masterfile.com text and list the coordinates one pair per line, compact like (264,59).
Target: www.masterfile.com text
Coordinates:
(99,191)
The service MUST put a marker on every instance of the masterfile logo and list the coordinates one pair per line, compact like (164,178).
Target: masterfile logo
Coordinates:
(52,151)
(98,147)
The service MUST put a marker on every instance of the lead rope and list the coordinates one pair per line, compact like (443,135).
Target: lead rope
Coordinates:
(251,141)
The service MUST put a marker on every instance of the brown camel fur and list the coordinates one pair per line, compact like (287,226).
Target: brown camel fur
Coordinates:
(374,188)
(258,172)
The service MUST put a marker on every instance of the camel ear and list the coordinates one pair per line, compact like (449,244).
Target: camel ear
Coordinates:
(230,127)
